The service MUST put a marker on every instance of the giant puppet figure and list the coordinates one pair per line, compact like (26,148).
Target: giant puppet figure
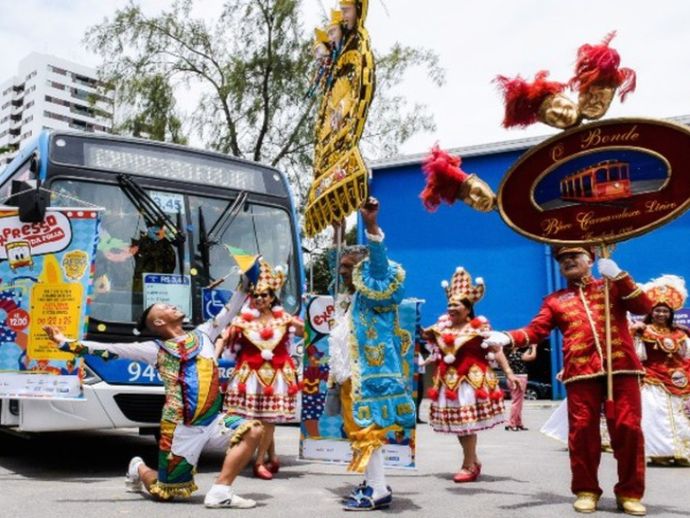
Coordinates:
(340,175)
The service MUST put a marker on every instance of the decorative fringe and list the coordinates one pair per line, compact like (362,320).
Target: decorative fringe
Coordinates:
(443,178)
(170,491)
(241,431)
(365,442)
(523,99)
(599,64)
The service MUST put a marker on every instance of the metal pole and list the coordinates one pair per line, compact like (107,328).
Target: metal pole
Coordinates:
(609,406)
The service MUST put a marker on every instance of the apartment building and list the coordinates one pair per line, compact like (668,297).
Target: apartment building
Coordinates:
(49,92)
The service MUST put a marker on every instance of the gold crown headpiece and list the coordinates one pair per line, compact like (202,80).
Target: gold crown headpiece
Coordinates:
(461,287)
(320,37)
(347,3)
(336,18)
(667,289)
(270,278)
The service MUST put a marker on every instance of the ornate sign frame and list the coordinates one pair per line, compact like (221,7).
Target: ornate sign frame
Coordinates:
(602,182)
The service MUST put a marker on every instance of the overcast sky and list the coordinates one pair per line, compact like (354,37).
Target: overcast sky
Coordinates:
(476,40)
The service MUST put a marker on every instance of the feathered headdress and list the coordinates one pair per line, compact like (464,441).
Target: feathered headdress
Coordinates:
(443,178)
(461,287)
(667,289)
(599,65)
(523,100)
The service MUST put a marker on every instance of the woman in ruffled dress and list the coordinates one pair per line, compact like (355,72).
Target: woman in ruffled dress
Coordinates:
(664,349)
(465,396)
(264,383)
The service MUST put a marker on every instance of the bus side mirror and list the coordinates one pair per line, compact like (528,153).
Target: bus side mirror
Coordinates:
(30,200)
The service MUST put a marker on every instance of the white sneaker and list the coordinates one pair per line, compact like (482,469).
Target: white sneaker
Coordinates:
(133,482)
(224,498)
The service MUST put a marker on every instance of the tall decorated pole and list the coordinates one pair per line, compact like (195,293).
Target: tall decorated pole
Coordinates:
(345,78)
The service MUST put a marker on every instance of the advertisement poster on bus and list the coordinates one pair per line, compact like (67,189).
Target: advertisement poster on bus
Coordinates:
(322,438)
(46,275)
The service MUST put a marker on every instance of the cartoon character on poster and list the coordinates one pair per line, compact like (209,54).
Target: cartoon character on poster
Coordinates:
(46,271)
(322,437)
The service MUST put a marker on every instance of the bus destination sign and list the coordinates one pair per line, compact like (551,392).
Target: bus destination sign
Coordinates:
(599,183)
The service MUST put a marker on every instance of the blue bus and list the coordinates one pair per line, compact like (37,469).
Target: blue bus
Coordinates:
(169,210)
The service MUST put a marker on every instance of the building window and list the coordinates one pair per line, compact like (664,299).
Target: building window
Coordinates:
(60,71)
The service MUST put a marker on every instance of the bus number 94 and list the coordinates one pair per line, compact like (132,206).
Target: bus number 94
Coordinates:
(139,372)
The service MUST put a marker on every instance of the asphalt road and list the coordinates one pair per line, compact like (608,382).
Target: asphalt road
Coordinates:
(525,474)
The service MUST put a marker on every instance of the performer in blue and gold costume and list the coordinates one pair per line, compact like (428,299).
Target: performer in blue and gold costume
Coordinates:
(365,359)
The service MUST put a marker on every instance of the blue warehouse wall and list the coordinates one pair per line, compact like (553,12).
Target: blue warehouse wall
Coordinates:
(518,272)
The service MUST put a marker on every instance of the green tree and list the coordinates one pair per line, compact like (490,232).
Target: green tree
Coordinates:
(252,66)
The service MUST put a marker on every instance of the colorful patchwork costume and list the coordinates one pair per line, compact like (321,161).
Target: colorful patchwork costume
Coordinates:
(192,417)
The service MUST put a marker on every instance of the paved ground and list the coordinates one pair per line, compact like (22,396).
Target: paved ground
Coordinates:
(524,475)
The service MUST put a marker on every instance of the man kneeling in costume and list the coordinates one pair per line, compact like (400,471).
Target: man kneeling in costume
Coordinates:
(192,414)
(365,360)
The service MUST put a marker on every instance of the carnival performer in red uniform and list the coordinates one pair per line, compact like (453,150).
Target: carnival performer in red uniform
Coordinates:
(264,383)
(465,396)
(664,349)
(579,312)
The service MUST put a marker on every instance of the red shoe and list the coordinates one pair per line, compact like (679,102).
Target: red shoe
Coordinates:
(260,471)
(273,466)
(468,474)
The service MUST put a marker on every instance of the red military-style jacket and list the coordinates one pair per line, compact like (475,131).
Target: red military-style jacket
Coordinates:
(578,312)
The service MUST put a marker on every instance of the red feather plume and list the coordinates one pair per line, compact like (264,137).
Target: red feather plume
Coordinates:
(451,395)
(432,393)
(242,388)
(443,178)
(600,64)
(268,391)
(523,99)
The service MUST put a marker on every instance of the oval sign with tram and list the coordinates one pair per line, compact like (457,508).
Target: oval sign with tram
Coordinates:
(602,182)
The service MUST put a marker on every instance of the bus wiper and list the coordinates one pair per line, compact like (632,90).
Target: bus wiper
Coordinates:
(149,209)
(226,218)
(207,240)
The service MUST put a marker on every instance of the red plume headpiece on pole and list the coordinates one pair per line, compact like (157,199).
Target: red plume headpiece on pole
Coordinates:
(445,181)
(600,65)
(443,178)
(523,99)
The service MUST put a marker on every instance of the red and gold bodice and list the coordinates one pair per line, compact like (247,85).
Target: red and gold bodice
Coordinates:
(462,356)
(263,345)
(666,364)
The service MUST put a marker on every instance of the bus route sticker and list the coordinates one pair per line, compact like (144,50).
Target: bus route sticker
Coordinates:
(168,288)
(601,182)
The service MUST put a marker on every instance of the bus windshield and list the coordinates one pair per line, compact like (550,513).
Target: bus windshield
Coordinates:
(129,248)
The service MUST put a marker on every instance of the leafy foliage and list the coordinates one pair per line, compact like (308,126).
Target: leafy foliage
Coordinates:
(248,71)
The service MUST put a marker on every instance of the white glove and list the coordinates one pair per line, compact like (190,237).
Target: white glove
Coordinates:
(608,268)
(497,339)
